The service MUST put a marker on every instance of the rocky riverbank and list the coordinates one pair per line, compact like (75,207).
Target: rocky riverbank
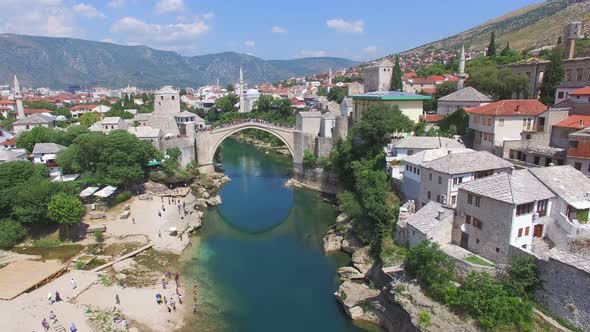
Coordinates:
(385,297)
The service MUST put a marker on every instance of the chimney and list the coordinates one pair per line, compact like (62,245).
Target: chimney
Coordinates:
(517,108)
(581,123)
(441,214)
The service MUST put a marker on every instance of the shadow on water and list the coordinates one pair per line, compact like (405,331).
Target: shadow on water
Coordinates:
(258,260)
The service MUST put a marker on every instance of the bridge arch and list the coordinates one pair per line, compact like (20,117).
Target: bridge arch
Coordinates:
(207,142)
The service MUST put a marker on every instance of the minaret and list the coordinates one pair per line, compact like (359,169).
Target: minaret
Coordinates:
(242,99)
(217,86)
(330,76)
(461,74)
(20,108)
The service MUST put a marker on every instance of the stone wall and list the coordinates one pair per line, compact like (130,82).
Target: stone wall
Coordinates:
(323,147)
(318,179)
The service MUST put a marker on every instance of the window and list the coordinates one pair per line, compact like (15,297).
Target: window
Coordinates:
(501,122)
(477,201)
(438,199)
(469,199)
(476,223)
(542,207)
(457,181)
(468,219)
(579,74)
(172,97)
(439,180)
(537,160)
(520,232)
(560,95)
(560,162)
(497,249)
(477,241)
(568,75)
(578,165)
(526,231)
(407,167)
(410,152)
(161,97)
(430,176)
(453,200)
(524,208)
(547,162)
(418,171)
(429,195)
(574,144)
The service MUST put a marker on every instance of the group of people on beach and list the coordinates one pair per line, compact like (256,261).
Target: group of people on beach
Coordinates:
(51,299)
(169,301)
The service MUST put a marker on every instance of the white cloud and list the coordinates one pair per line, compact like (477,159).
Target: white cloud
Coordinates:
(179,36)
(370,49)
(341,25)
(250,43)
(116,3)
(38,17)
(278,29)
(87,10)
(314,53)
(169,6)
(107,40)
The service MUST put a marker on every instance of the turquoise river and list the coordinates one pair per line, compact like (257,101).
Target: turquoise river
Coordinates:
(258,261)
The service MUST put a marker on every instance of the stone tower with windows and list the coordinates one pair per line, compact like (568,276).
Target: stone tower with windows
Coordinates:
(377,77)
(166,101)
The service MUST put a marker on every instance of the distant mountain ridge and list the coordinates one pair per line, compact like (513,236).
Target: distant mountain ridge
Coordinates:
(528,28)
(60,62)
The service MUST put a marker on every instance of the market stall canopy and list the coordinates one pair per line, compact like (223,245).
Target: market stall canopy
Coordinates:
(88,191)
(105,192)
(66,178)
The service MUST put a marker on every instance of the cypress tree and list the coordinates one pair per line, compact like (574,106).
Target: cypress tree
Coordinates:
(553,75)
(492,47)
(506,50)
(396,76)
(559,40)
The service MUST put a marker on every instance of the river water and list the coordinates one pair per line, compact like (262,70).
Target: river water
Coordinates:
(258,261)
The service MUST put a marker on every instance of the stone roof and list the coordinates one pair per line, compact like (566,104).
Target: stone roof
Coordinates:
(426,142)
(11,155)
(457,161)
(34,119)
(168,89)
(566,182)
(467,94)
(48,148)
(427,218)
(144,132)
(570,259)
(141,116)
(166,124)
(517,188)
(310,114)
(111,120)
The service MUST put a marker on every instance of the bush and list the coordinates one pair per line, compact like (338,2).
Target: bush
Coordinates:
(122,197)
(432,267)
(522,278)
(309,159)
(11,233)
(99,236)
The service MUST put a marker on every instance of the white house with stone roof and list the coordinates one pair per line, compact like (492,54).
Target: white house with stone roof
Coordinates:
(435,175)
(502,210)
(109,124)
(432,222)
(46,153)
(149,134)
(32,121)
(466,97)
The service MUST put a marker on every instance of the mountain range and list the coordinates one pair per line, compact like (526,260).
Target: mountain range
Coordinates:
(526,28)
(60,62)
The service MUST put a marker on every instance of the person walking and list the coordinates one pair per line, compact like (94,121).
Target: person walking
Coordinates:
(50,298)
(45,324)
(57,297)
(195,308)
(159,234)
(53,317)
(163,283)
(117,300)
(73,283)
(73,328)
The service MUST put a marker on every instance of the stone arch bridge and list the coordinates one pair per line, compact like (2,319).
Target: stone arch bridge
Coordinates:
(207,141)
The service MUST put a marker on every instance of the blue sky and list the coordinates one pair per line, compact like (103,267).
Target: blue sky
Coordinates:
(358,30)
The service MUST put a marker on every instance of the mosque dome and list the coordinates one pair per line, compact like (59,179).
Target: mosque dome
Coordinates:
(253,93)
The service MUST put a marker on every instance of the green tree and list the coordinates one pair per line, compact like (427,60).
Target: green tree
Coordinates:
(506,50)
(554,73)
(65,209)
(28,139)
(433,69)
(456,123)
(230,87)
(11,233)
(337,94)
(89,118)
(499,83)
(310,160)
(227,103)
(264,103)
(63,111)
(396,76)
(182,92)
(492,46)
(349,204)
(522,277)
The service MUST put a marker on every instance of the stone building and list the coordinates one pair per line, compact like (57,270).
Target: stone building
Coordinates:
(109,124)
(435,175)
(433,222)
(377,77)
(499,211)
(166,101)
(465,98)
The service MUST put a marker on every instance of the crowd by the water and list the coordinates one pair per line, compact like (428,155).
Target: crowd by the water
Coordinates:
(51,299)
(174,297)
(240,121)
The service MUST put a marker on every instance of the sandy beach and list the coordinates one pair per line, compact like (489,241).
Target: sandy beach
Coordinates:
(92,303)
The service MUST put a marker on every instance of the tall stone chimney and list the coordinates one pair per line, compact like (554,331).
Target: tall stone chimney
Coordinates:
(573,31)
(20,108)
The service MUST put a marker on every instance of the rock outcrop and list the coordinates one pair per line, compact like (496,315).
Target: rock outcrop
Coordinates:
(213,201)
(332,242)
(362,260)
(349,273)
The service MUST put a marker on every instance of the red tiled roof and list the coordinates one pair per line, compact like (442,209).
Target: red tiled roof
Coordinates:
(422,80)
(36,111)
(510,107)
(436,78)
(83,107)
(11,141)
(7,102)
(429,90)
(581,92)
(575,121)
(433,118)
(453,79)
